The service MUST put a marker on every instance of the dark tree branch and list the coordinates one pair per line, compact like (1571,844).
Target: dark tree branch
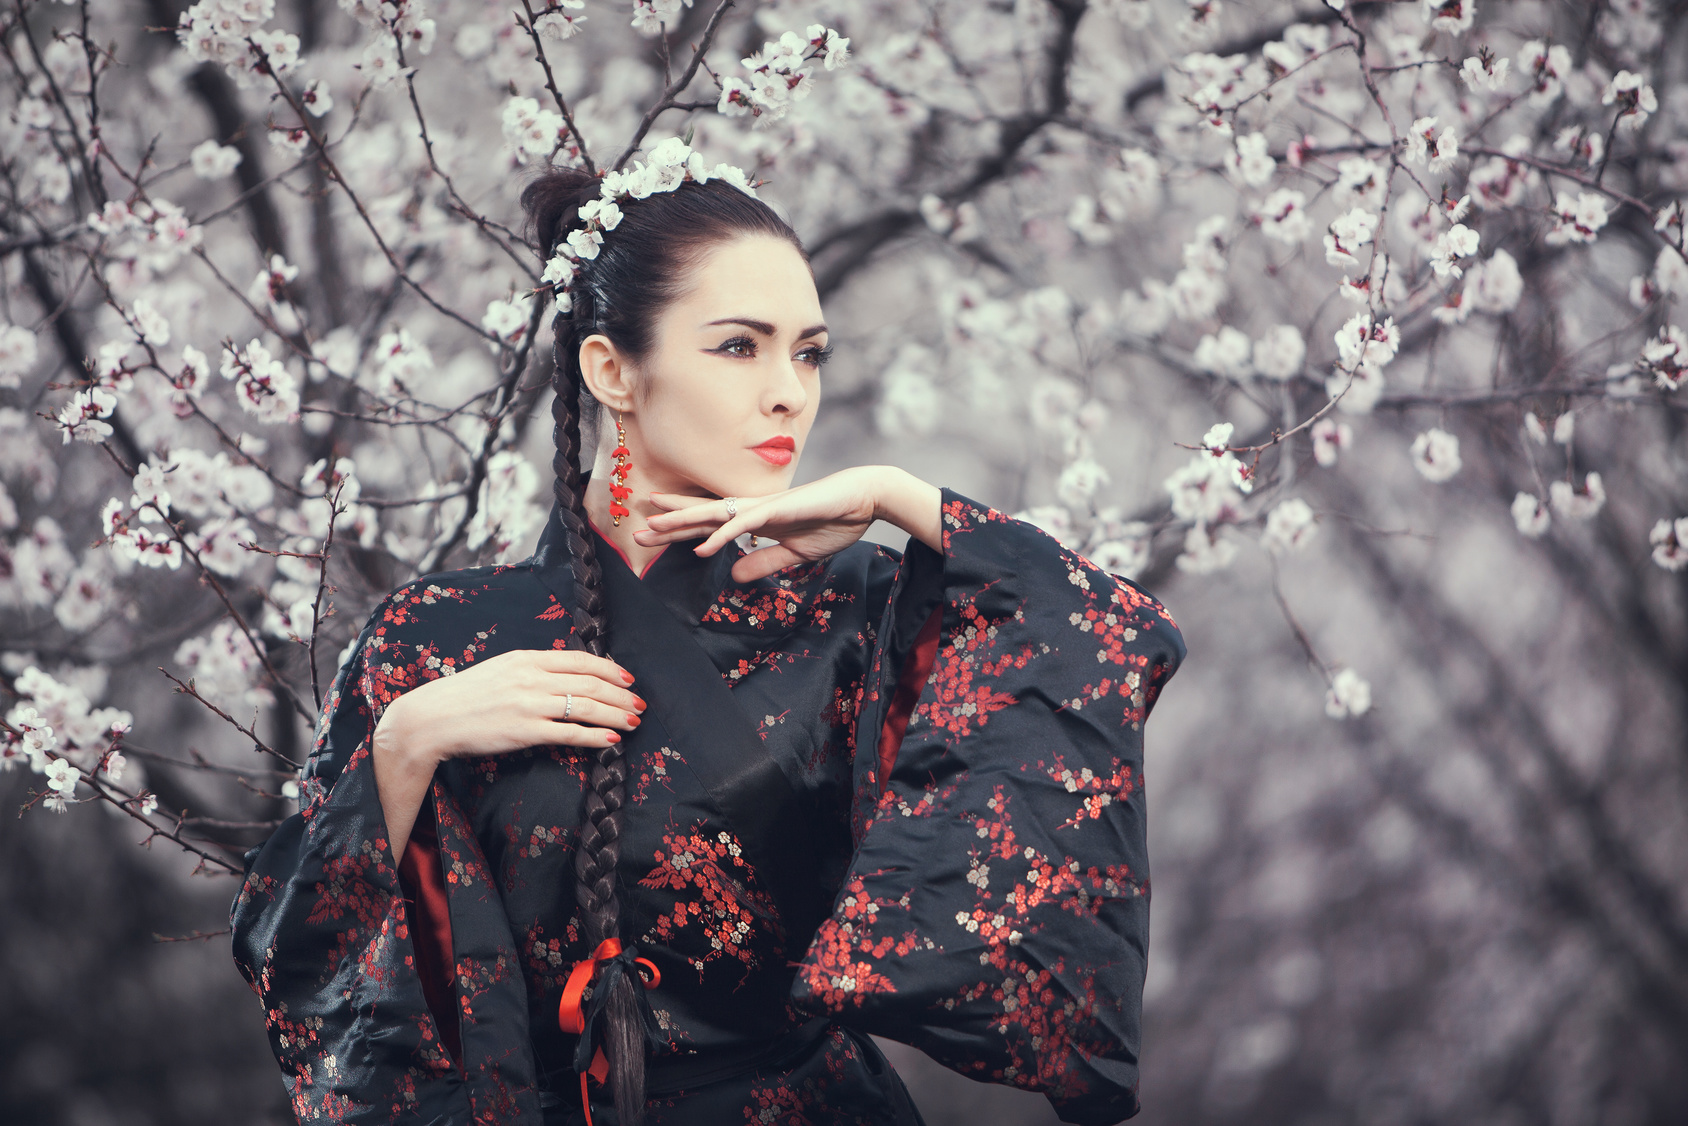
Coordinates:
(222,101)
(843,251)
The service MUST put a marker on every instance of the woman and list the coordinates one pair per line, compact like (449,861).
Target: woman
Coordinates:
(649,828)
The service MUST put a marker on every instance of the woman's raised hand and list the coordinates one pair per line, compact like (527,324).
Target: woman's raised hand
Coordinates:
(810,522)
(511,701)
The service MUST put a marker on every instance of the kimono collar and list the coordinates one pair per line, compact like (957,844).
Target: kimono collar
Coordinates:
(687,582)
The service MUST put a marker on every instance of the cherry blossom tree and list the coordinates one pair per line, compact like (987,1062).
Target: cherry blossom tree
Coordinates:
(1351,329)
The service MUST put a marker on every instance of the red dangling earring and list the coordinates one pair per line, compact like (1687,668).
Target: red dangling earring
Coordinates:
(619,490)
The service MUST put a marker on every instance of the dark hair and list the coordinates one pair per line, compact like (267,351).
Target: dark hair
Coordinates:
(644,264)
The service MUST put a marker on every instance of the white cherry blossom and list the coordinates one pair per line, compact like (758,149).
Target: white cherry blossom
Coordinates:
(212,161)
(1666,357)
(1634,99)
(1207,550)
(1495,284)
(1435,454)
(1437,151)
(1530,515)
(18,353)
(1283,217)
(1348,695)
(1458,241)
(1576,218)
(1485,72)
(1229,353)
(317,99)
(1359,184)
(1348,232)
(1250,161)
(1669,540)
(1280,352)
(1289,526)
(1545,68)
(1578,502)
(1079,483)
(1330,437)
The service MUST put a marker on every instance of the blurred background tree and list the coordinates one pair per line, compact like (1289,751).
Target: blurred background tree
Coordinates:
(1346,328)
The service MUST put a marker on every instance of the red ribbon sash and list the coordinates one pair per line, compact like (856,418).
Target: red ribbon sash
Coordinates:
(571,1017)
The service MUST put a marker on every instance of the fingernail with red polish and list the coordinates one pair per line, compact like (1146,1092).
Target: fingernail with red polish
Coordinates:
(632,720)
(615,736)
(626,676)
(640,700)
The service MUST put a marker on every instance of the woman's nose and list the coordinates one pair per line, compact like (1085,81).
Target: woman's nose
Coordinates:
(787,392)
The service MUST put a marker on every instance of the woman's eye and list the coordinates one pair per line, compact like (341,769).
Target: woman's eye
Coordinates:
(816,355)
(739,346)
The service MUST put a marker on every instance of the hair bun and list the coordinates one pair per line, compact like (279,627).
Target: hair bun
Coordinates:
(552,201)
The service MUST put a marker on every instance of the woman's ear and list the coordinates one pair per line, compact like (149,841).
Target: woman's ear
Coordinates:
(606,371)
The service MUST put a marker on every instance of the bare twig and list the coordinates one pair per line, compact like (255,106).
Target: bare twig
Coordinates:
(187,688)
(195,936)
(323,588)
(495,421)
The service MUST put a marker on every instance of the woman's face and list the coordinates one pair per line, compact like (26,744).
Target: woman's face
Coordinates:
(734,363)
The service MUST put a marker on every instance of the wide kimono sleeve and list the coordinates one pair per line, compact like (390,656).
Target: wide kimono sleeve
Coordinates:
(332,940)
(996,912)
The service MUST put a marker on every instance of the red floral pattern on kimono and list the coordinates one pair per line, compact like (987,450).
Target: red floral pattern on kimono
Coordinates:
(962,730)
(717,894)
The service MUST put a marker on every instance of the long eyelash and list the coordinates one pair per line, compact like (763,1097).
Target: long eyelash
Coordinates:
(821,355)
(734,342)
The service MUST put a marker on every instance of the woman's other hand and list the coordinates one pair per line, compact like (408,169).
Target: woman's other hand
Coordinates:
(512,701)
(809,522)
(504,703)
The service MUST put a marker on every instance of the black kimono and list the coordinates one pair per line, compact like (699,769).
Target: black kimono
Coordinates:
(880,793)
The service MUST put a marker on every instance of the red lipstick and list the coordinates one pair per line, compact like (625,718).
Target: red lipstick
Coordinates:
(778,450)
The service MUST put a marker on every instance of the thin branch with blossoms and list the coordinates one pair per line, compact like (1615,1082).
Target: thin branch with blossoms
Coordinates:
(491,230)
(671,92)
(556,94)
(129,804)
(321,148)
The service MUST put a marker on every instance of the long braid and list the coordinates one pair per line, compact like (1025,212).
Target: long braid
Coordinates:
(639,270)
(598,850)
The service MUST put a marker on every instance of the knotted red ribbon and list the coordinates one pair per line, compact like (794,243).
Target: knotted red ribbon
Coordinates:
(572,1016)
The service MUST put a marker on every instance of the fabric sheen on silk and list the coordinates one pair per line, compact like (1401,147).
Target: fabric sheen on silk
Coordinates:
(984,856)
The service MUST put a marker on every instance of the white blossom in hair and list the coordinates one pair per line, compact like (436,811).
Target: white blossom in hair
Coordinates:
(668,165)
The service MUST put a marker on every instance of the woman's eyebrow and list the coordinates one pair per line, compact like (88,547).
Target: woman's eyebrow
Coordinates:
(764,327)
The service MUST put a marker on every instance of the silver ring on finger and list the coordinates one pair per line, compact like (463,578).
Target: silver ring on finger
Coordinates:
(568,705)
(732,505)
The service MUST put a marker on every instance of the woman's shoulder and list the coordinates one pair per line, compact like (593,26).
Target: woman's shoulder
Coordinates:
(446,603)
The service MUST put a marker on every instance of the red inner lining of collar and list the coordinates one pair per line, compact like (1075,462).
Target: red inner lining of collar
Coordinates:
(623,554)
